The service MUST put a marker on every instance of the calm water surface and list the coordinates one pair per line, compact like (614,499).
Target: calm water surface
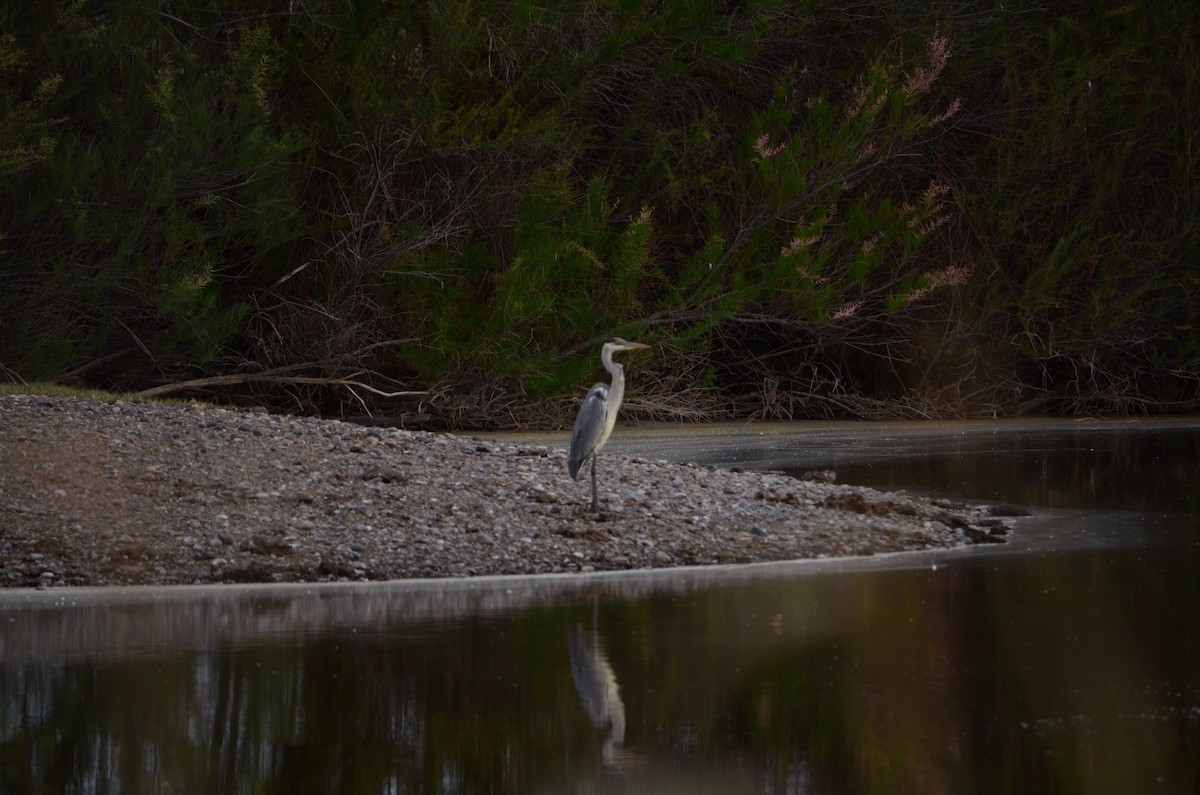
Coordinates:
(1067,661)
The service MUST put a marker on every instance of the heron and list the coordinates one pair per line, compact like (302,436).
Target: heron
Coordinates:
(598,414)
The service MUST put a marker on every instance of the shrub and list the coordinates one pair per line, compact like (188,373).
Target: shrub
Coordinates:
(811,209)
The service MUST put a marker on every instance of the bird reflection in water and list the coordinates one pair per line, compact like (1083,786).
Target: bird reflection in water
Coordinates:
(596,683)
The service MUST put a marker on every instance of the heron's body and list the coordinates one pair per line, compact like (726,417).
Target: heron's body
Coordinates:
(588,437)
(598,415)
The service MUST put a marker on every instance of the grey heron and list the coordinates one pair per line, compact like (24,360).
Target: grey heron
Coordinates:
(598,414)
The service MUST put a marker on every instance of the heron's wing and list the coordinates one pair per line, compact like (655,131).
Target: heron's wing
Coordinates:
(589,427)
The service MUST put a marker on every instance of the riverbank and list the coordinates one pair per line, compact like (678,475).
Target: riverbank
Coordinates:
(117,493)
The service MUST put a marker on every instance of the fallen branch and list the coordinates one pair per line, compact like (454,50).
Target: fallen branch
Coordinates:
(267,378)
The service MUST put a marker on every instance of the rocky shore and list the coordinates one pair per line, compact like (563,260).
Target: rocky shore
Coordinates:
(118,493)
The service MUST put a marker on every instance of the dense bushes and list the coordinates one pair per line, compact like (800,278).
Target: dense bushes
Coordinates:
(874,209)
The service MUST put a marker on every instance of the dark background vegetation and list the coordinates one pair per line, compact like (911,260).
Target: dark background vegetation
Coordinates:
(810,209)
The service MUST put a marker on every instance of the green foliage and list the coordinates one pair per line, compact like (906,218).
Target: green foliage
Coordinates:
(1087,190)
(166,186)
(26,135)
(869,204)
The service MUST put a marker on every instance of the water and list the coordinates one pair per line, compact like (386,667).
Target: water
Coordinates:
(1067,661)
(1124,465)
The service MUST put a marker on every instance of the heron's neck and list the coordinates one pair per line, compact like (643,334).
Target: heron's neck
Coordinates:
(616,371)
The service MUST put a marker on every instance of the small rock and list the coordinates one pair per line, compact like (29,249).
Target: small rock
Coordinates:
(980,536)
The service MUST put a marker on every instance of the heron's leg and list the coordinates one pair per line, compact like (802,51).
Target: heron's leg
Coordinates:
(595,501)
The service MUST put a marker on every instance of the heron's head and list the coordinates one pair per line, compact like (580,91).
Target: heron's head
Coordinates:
(618,344)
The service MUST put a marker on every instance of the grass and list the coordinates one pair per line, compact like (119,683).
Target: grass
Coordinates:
(49,389)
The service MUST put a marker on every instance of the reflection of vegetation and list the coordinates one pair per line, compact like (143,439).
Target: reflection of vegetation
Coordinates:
(1070,673)
(792,708)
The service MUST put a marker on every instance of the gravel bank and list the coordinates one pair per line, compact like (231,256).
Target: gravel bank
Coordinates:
(113,493)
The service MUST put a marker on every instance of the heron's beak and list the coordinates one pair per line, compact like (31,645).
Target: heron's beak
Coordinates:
(634,346)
